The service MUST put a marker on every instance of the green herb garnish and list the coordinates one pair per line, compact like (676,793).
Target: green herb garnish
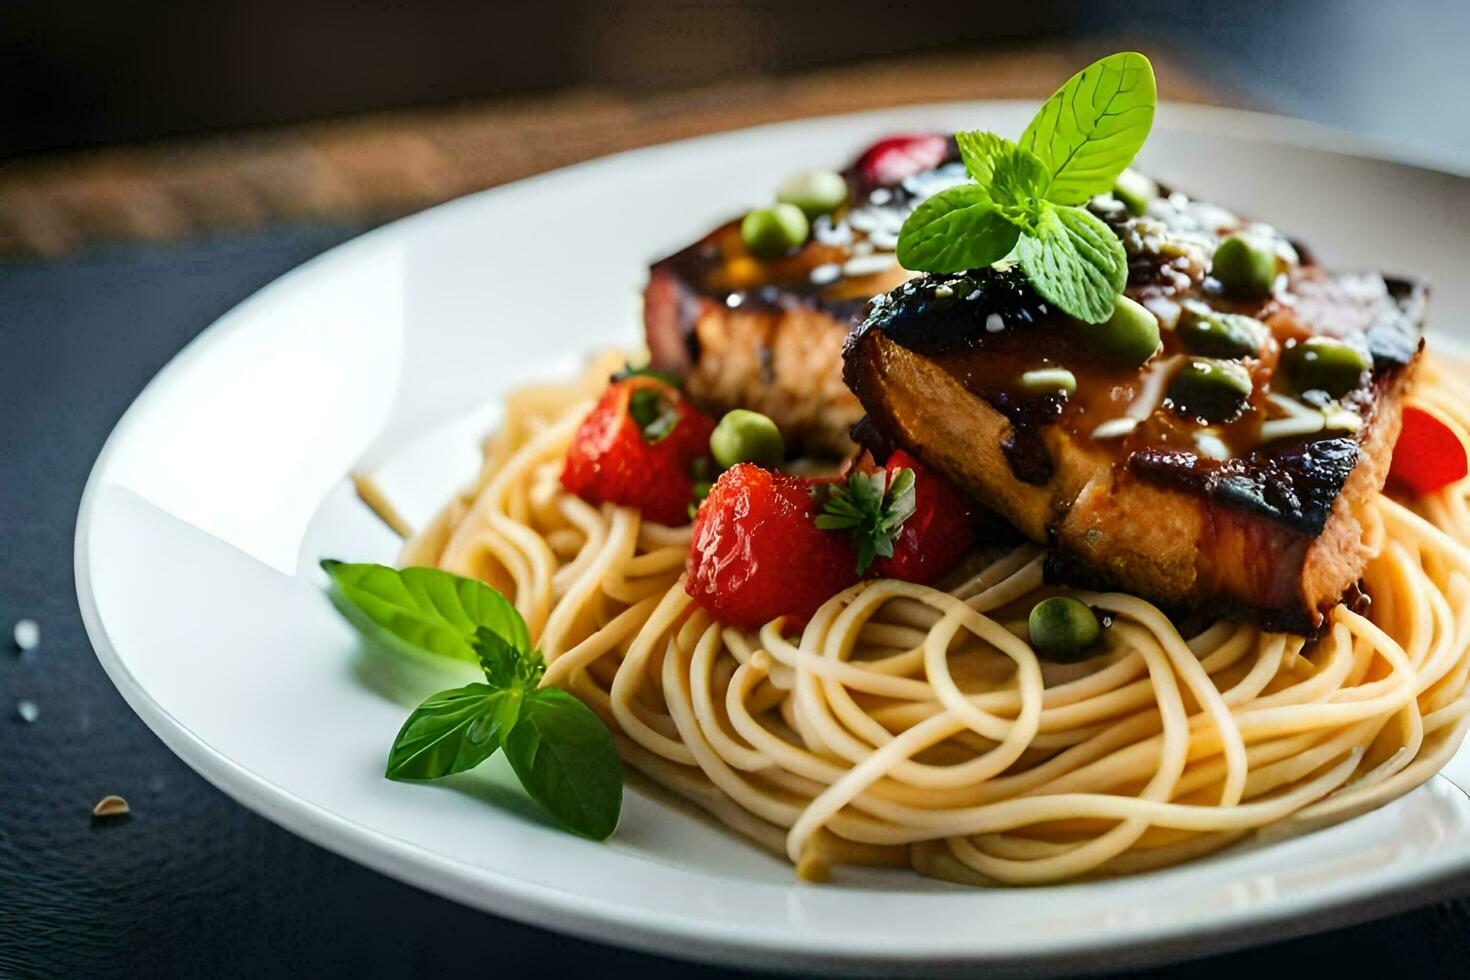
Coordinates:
(873,507)
(1025,195)
(562,753)
(629,371)
(654,414)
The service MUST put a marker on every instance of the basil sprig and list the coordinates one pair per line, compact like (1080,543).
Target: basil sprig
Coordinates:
(562,753)
(1025,195)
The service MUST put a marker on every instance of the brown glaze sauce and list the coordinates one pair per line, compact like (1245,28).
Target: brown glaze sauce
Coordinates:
(848,259)
(987,328)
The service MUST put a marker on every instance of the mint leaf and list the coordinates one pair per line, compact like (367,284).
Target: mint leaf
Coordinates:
(654,413)
(567,762)
(956,229)
(1016,184)
(427,609)
(423,609)
(980,151)
(453,731)
(504,665)
(1075,261)
(1093,126)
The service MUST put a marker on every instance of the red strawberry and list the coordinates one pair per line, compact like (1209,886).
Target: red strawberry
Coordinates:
(638,447)
(889,161)
(1430,453)
(757,552)
(936,535)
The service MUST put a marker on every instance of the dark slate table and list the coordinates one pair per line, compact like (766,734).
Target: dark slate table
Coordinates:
(194,884)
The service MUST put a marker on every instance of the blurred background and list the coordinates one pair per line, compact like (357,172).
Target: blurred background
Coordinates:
(164,120)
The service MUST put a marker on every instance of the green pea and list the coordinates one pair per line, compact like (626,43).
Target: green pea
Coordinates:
(1129,337)
(1135,191)
(1245,266)
(769,232)
(1214,334)
(816,192)
(1063,629)
(1211,389)
(1324,364)
(747,437)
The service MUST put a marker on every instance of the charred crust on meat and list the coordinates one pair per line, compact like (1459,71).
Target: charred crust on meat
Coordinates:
(942,314)
(1294,486)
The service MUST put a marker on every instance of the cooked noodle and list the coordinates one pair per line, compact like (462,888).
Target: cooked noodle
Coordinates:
(913,726)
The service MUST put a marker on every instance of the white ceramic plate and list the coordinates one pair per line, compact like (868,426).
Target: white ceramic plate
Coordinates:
(200,530)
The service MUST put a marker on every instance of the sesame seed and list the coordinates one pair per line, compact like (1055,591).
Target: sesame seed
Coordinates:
(27,634)
(28,711)
(994,323)
(734,300)
(881,196)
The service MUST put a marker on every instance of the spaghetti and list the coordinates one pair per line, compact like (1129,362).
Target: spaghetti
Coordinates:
(914,726)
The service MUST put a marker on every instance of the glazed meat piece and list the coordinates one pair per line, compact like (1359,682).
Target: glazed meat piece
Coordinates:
(767,334)
(1253,506)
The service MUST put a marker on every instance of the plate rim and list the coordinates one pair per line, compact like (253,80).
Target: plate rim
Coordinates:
(1348,901)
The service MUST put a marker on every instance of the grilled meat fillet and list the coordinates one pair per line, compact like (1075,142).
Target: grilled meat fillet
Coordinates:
(767,334)
(1240,516)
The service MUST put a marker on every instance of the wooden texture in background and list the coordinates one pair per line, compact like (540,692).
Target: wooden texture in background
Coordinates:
(382,165)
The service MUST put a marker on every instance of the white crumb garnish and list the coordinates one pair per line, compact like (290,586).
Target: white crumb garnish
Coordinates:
(1047,380)
(867,265)
(27,634)
(1113,428)
(994,323)
(824,274)
(1212,446)
(1296,425)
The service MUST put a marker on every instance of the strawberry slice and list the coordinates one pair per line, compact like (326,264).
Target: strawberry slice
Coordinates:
(757,552)
(639,447)
(889,161)
(1430,453)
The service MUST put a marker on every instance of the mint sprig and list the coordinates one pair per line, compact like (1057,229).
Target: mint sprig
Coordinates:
(1024,195)
(561,752)
(871,506)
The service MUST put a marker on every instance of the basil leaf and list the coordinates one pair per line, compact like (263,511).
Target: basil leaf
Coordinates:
(1075,261)
(1094,126)
(453,731)
(566,761)
(426,609)
(957,229)
(504,665)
